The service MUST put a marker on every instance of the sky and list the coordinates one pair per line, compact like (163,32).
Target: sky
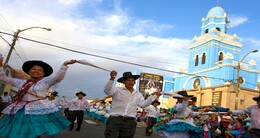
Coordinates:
(154,33)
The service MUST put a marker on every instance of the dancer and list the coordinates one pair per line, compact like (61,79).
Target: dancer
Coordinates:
(122,120)
(152,113)
(31,114)
(77,107)
(181,126)
(254,111)
(65,106)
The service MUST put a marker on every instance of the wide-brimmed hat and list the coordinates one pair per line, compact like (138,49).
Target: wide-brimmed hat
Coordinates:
(55,93)
(80,92)
(184,93)
(127,75)
(29,64)
(155,101)
(256,98)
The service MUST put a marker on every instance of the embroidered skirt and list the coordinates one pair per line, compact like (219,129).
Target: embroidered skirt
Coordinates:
(179,129)
(20,125)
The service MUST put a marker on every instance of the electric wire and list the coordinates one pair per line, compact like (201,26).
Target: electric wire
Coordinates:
(112,59)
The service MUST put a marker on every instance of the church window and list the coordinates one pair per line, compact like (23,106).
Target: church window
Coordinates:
(197,60)
(203,58)
(206,31)
(218,29)
(220,56)
(196,83)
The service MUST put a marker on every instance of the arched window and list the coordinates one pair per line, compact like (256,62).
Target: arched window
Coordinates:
(203,58)
(206,31)
(197,60)
(218,29)
(220,56)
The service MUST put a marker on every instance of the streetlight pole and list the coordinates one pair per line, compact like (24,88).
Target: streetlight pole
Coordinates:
(15,38)
(238,77)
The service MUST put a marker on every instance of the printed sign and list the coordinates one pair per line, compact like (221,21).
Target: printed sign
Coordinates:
(216,98)
(149,83)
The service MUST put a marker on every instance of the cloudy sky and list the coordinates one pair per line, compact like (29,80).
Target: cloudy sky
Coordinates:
(148,32)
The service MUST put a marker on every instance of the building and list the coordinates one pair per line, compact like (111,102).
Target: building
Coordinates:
(213,66)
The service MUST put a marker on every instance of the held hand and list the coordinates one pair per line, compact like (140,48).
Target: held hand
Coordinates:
(69,62)
(113,75)
(157,92)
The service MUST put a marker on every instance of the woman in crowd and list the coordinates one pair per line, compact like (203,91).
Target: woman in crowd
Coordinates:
(214,123)
(236,129)
(31,114)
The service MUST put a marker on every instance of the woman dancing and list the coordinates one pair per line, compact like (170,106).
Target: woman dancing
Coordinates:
(31,114)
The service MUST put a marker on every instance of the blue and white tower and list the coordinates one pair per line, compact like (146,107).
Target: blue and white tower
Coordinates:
(214,56)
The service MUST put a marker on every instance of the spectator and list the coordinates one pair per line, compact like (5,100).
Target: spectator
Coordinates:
(214,123)
(205,128)
(236,129)
(197,121)
(247,121)
(225,122)
(6,98)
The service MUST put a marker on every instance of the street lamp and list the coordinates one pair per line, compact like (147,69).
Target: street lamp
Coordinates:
(16,37)
(239,79)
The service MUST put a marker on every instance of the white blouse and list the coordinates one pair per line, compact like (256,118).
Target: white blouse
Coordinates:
(38,107)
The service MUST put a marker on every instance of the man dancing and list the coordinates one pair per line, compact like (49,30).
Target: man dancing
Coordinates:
(122,121)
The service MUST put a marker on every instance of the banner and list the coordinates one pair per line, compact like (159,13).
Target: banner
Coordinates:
(149,83)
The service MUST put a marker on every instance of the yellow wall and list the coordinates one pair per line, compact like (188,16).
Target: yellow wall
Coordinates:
(204,97)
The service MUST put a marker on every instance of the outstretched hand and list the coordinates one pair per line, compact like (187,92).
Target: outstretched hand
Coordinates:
(157,92)
(113,75)
(69,62)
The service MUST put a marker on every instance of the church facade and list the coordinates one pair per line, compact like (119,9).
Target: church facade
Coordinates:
(215,66)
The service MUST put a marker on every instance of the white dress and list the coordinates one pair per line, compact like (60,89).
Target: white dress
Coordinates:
(181,126)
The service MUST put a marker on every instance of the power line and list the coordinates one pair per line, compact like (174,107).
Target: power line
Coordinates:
(102,51)
(108,58)
(5,40)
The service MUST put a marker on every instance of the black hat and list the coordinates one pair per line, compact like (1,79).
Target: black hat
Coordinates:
(256,98)
(80,92)
(155,101)
(55,93)
(184,93)
(127,75)
(46,67)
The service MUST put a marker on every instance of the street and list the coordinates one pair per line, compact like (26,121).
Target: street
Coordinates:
(91,130)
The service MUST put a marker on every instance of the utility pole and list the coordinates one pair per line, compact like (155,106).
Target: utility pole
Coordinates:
(239,79)
(15,38)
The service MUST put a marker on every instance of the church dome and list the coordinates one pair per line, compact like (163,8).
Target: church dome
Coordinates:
(216,11)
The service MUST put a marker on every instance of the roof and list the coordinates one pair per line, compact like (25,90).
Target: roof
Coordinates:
(216,11)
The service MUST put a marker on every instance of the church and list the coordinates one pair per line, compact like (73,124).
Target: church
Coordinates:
(217,72)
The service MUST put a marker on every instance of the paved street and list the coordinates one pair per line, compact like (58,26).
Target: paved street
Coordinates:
(90,130)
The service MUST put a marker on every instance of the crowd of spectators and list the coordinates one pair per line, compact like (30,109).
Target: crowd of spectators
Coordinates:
(214,124)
